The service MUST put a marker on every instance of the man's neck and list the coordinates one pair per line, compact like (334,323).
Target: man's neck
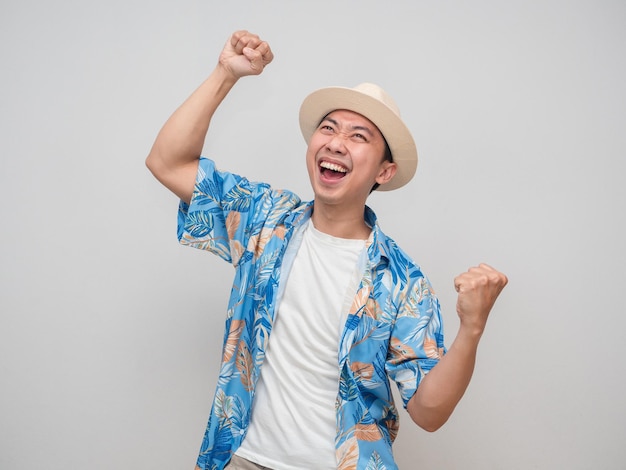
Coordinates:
(340,223)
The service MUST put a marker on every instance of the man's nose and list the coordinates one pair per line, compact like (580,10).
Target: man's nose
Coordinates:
(337,143)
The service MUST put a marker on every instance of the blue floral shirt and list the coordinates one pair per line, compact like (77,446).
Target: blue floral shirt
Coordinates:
(393,329)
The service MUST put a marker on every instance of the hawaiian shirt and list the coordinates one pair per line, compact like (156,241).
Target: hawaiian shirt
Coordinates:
(393,329)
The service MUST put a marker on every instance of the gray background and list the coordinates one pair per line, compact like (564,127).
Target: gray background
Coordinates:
(110,331)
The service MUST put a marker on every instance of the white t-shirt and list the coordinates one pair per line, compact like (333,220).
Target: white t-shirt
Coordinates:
(293,416)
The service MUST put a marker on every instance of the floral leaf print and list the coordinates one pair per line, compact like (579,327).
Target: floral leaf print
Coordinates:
(199,224)
(257,242)
(360,300)
(205,189)
(227,371)
(262,328)
(234,335)
(348,389)
(367,432)
(375,462)
(208,244)
(244,257)
(380,362)
(222,447)
(229,410)
(233,219)
(223,405)
(421,292)
(237,199)
(431,349)
(424,284)
(280,231)
(244,365)
(275,203)
(372,309)
(236,252)
(265,269)
(393,427)
(400,352)
(348,455)
(398,266)
(364,330)
(230,413)
(362,371)
(263,203)
(426,324)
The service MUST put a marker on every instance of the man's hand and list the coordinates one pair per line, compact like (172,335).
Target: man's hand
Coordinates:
(478,290)
(245,54)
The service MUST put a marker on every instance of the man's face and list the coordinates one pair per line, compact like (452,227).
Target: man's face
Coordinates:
(345,159)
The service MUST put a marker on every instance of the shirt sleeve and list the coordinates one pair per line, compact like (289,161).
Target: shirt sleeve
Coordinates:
(417,341)
(218,210)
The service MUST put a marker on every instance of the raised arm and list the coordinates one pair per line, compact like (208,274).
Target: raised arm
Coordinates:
(174,156)
(443,387)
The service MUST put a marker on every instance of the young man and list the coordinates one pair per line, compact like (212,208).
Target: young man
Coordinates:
(325,308)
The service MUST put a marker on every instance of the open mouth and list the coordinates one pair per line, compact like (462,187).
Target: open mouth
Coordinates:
(332,171)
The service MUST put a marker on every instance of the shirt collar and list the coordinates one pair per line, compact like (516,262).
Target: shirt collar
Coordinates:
(376,246)
(300,215)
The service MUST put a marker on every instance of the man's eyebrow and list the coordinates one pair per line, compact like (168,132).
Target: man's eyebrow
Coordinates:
(354,128)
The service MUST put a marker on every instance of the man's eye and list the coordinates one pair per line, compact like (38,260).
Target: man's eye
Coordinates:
(359,137)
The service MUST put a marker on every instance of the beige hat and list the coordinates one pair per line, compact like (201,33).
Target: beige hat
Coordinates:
(375,104)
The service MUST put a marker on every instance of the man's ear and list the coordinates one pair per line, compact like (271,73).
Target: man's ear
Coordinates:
(387,172)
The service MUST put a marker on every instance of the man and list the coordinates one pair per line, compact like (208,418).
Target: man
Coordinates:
(325,308)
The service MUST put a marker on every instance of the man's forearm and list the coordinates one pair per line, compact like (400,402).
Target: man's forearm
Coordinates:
(443,387)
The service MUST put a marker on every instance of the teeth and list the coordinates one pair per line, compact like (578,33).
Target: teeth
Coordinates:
(333,167)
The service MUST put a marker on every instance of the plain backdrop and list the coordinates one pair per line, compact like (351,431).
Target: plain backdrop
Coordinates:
(110,332)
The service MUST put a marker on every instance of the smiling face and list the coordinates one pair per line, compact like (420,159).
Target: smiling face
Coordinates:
(345,158)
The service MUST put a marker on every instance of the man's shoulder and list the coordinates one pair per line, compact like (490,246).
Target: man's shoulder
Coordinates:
(398,260)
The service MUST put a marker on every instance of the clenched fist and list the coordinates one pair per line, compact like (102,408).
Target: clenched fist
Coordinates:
(478,289)
(245,54)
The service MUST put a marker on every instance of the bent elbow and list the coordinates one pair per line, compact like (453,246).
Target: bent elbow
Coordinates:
(151,163)
(430,424)
(157,166)
(431,427)
(428,416)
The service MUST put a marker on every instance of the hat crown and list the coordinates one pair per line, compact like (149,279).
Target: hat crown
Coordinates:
(376,92)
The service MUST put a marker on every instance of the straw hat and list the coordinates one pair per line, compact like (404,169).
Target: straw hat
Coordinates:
(375,104)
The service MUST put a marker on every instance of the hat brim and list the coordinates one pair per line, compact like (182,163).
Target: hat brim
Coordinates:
(321,102)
